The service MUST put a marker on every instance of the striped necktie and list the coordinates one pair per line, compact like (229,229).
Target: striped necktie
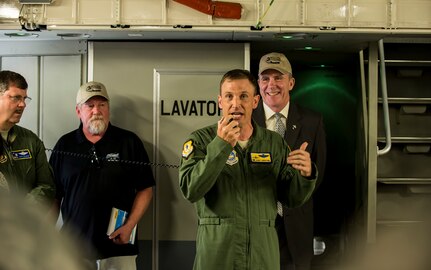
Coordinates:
(280,128)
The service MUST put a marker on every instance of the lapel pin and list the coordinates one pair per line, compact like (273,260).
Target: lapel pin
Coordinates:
(293,126)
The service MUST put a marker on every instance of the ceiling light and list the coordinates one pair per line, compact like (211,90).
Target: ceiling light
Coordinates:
(308,48)
(21,34)
(73,35)
(290,36)
(135,35)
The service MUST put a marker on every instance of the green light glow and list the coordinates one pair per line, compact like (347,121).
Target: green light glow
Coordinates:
(335,95)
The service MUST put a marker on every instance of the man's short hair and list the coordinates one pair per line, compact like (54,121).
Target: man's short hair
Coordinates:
(9,78)
(239,74)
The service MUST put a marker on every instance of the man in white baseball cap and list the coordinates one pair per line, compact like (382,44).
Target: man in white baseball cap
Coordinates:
(92,180)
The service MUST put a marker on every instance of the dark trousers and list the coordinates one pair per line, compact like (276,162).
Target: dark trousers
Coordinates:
(286,260)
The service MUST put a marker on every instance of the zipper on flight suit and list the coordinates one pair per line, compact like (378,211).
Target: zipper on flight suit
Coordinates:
(244,161)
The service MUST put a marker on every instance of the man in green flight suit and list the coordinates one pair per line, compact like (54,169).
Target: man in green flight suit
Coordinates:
(23,160)
(236,172)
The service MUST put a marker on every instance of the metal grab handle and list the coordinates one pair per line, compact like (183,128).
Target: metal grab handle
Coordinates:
(388,145)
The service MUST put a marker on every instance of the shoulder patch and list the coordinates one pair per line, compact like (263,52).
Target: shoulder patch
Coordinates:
(3,158)
(187,149)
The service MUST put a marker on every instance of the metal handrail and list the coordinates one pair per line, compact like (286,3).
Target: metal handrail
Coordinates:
(388,145)
(364,99)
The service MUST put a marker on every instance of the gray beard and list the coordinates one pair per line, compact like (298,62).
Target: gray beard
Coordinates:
(96,127)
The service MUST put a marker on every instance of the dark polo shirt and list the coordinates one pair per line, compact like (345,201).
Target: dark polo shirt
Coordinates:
(93,178)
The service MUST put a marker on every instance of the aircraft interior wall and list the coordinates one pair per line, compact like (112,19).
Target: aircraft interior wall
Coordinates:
(145,78)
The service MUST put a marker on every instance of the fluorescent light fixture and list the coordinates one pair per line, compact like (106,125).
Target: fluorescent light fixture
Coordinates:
(135,34)
(308,48)
(290,36)
(73,35)
(21,35)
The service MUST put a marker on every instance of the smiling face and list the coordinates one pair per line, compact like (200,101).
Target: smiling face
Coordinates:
(275,87)
(237,98)
(12,105)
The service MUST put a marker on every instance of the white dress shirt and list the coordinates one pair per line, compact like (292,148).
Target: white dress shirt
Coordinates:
(270,116)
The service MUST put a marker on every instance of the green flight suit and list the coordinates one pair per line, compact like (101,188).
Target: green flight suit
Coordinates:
(25,167)
(236,192)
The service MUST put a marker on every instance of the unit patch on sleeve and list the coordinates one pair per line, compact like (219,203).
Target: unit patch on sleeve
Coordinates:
(187,149)
(260,157)
(21,154)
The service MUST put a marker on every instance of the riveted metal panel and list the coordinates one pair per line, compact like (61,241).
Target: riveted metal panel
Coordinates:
(413,13)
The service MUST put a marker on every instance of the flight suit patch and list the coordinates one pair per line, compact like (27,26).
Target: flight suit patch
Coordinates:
(21,154)
(232,159)
(260,157)
(187,149)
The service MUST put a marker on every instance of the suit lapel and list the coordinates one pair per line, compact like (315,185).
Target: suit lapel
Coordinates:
(293,126)
(259,115)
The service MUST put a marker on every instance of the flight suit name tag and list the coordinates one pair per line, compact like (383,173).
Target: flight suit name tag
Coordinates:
(21,154)
(260,157)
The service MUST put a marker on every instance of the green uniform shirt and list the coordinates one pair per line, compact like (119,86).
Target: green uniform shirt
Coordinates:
(236,192)
(25,167)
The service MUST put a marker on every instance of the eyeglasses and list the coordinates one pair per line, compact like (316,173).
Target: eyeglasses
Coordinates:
(19,99)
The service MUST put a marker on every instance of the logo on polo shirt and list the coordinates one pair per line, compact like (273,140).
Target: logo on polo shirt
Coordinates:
(113,157)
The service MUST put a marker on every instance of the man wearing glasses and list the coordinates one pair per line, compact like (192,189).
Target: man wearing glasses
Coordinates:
(23,160)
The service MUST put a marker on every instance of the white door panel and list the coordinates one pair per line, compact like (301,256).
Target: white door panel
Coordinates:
(180,109)
(139,76)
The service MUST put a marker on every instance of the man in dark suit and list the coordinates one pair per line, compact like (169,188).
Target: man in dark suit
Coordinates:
(294,225)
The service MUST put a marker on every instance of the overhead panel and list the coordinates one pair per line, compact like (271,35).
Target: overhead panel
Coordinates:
(104,12)
(357,15)
(415,14)
(330,13)
(281,12)
(142,12)
(369,13)
(61,12)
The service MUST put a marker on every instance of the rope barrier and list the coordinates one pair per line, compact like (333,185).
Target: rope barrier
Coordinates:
(97,159)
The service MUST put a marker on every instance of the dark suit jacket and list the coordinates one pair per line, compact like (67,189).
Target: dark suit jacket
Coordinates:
(296,236)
